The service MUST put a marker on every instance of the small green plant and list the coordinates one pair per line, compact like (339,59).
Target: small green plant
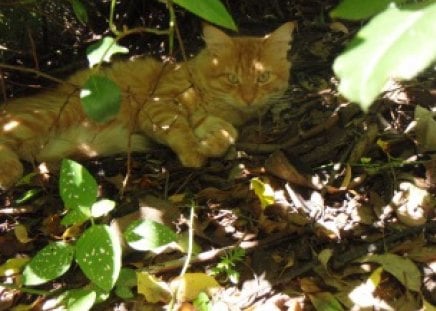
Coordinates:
(226,266)
(397,43)
(98,249)
(202,302)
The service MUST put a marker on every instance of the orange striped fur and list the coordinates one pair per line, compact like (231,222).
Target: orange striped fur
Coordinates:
(193,107)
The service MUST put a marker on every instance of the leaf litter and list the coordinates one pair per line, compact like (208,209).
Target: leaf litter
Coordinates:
(334,208)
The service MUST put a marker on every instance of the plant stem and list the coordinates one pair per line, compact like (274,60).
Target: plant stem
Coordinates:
(190,240)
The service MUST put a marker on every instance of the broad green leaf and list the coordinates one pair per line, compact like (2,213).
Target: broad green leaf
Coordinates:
(263,191)
(76,216)
(357,9)
(126,281)
(48,264)
(98,253)
(78,299)
(396,44)
(325,301)
(80,11)
(76,185)
(102,207)
(147,235)
(103,50)
(403,269)
(211,10)
(100,98)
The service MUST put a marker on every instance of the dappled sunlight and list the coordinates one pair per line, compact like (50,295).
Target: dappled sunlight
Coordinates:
(87,150)
(227,135)
(259,66)
(10,125)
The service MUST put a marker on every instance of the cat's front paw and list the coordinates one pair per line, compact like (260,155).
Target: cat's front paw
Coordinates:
(192,158)
(215,136)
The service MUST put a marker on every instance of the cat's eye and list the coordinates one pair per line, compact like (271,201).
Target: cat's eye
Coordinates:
(263,77)
(232,78)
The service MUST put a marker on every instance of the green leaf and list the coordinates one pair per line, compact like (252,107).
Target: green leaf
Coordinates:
(263,191)
(102,51)
(78,299)
(80,11)
(77,216)
(102,208)
(202,302)
(100,98)
(126,281)
(76,185)
(325,301)
(147,235)
(357,9)
(403,269)
(211,10)
(396,44)
(98,253)
(49,263)
(27,196)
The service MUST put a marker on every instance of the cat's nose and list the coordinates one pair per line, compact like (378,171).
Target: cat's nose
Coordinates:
(248,97)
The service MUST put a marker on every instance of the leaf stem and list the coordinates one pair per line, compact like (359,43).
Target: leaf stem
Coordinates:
(190,240)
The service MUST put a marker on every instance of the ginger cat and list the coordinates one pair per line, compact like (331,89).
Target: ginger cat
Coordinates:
(192,107)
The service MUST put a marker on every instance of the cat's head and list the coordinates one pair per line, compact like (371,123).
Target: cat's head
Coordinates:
(245,72)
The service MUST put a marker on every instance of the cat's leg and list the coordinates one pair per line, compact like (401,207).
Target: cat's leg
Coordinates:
(11,169)
(175,131)
(215,135)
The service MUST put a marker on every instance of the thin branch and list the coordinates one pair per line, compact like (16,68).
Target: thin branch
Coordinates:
(38,73)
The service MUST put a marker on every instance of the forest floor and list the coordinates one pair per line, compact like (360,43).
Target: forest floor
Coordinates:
(319,206)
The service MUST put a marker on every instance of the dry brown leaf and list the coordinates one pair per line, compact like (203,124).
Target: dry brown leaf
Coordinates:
(423,254)
(338,27)
(278,165)
(21,234)
(309,285)
(425,129)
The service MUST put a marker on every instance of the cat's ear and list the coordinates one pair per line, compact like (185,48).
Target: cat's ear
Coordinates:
(216,40)
(281,37)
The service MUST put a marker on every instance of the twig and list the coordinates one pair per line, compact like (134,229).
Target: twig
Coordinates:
(32,44)
(248,246)
(188,256)
(38,73)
